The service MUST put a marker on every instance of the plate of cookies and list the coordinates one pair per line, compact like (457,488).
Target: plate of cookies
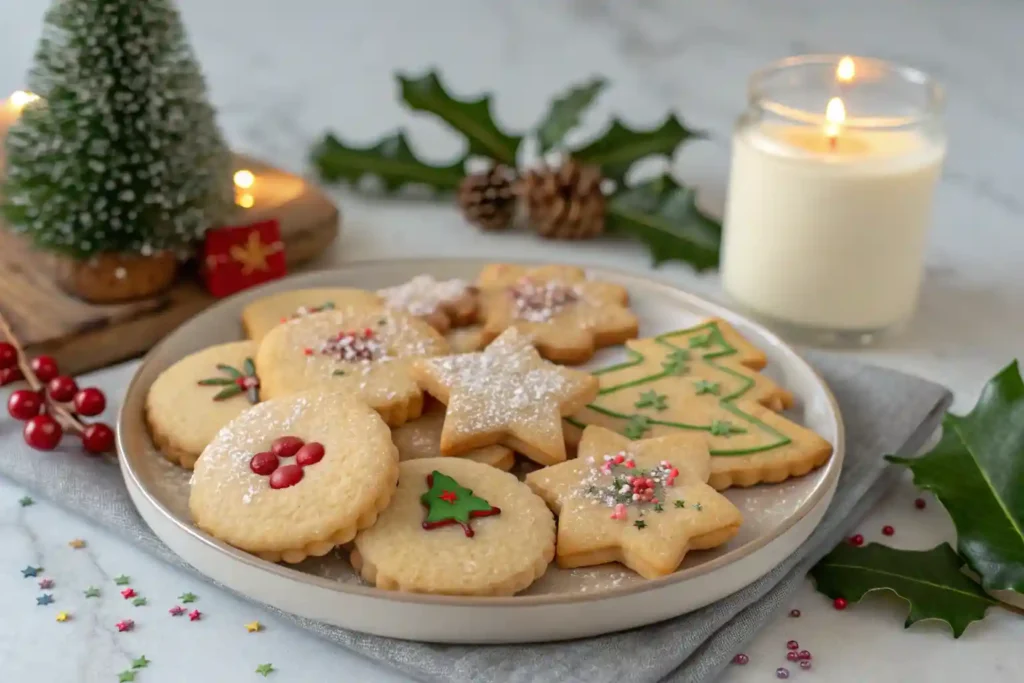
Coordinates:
(451,450)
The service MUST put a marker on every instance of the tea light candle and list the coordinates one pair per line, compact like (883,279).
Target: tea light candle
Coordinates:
(829,207)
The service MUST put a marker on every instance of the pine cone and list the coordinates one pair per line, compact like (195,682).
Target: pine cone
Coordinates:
(487,199)
(564,202)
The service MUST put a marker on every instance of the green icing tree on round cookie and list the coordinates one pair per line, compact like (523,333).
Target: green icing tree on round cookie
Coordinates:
(448,502)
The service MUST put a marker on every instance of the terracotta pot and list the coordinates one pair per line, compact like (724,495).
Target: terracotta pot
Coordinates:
(112,278)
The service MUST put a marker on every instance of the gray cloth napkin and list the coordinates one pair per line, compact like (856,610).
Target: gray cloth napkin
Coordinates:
(884,412)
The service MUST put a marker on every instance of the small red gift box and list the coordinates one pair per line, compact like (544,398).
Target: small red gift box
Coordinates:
(239,257)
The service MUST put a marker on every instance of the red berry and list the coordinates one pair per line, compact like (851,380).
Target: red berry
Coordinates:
(839,603)
(888,530)
(286,446)
(98,438)
(42,432)
(90,401)
(857,540)
(792,656)
(285,476)
(62,388)
(310,454)
(804,654)
(263,463)
(792,645)
(10,375)
(8,355)
(740,659)
(45,368)
(24,404)
(795,613)
(919,503)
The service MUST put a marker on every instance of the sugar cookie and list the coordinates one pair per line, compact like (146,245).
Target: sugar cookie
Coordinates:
(466,339)
(191,400)
(644,503)
(264,314)
(367,350)
(568,316)
(421,438)
(442,303)
(505,394)
(456,527)
(295,476)
(703,379)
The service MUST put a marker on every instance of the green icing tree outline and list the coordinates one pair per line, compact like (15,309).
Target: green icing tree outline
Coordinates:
(713,338)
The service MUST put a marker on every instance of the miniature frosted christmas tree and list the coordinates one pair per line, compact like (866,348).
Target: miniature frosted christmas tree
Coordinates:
(121,154)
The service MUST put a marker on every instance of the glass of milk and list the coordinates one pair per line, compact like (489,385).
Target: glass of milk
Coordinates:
(834,168)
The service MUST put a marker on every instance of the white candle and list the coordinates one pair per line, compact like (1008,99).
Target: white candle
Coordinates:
(826,221)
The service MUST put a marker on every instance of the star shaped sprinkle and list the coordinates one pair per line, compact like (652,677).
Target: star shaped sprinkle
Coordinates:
(128,593)
(188,597)
(139,602)
(194,615)
(126,676)
(264,669)
(125,625)
(176,611)
(46,584)
(44,599)
(77,543)
(63,616)
(122,580)
(505,394)
(25,501)
(253,626)
(92,592)
(31,572)
(652,399)
(140,663)
(619,500)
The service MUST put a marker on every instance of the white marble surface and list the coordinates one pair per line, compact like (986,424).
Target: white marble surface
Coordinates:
(280,73)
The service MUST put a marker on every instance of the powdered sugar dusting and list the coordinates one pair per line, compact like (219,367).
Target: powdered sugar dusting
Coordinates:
(424,295)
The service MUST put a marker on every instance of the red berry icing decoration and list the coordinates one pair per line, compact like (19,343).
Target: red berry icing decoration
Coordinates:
(310,454)
(98,438)
(45,368)
(42,432)
(285,476)
(90,401)
(286,446)
(8,355)
(888,530)
(448,502)
(24,404)
(792,656)
(919,503)
(857,540)
(264,463)
(10,375)
(839,603)
(792,645)
(61,388)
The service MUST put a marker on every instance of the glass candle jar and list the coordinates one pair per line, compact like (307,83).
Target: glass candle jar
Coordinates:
(834,168)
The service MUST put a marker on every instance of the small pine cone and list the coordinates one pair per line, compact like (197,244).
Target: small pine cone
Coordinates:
(565,202)
(487,199)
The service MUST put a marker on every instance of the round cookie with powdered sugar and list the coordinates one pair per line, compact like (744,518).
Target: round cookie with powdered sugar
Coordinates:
(295,476)
(442,303)
(421,438)
(366,350)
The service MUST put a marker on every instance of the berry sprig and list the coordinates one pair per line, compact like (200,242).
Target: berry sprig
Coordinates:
(53,404)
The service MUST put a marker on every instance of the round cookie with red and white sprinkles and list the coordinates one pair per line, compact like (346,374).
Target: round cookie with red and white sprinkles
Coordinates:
(295,476)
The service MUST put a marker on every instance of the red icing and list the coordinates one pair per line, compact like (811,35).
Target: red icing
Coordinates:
(449,497)
(264,463)
(286,446)
(285,476)
(310,454)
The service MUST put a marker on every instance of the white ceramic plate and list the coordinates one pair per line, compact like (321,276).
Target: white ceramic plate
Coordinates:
(564,603)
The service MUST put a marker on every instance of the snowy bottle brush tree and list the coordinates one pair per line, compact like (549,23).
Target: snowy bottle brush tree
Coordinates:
(120,161)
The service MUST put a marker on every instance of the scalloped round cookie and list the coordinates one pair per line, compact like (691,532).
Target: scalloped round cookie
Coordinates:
(287,499)
(183,410)
(456,527)
(268,312)
(365,350)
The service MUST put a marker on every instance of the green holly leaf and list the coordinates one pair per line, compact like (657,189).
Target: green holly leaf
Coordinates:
(391,160)
(448,502)
(652,399)
(227,392)
(976,471)
(229,371)
(564,113)
(216,382)
(249,368)
(664,215)
(636,427)
(620,147)
(930,580)
(472,118)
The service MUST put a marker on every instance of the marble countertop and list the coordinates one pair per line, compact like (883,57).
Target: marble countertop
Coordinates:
(282,73)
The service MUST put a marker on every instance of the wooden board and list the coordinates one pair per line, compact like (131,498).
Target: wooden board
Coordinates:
(84,336)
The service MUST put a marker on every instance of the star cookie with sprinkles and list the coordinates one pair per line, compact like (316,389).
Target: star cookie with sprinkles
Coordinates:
(568,316)
(443,304)
(644,504)
(704,380)
(505,394)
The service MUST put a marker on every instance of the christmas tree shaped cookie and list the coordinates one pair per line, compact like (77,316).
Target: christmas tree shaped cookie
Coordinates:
(704,380)
(567,315)
(642,503)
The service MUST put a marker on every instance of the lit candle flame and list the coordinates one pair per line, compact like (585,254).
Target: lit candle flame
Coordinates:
(245,200)
(244,179)
(835,114)
(20,98)
(846,70)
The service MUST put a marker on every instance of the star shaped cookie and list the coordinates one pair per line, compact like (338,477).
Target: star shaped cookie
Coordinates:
(568,316)
(505,394)
(644,503)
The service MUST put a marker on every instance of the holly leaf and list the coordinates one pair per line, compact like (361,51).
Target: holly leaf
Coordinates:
(564,113)
(930,580)
(472,118)
(249,368)
(976,471)
(664,215)
(391,160)
(230,371)
(215,381)
(620,147)
(227,392)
